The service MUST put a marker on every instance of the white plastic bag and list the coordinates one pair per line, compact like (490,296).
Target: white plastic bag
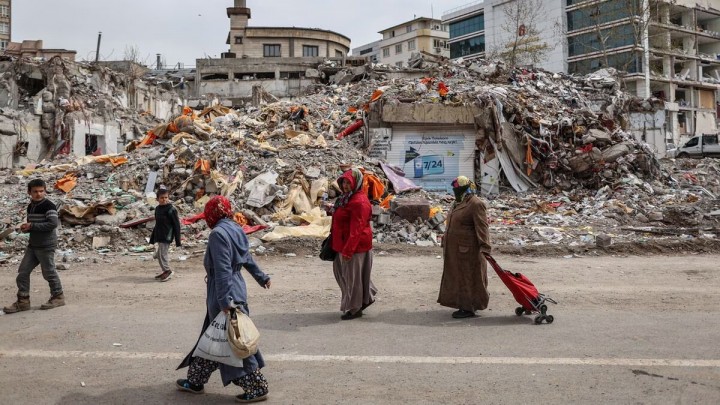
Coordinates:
(213,344)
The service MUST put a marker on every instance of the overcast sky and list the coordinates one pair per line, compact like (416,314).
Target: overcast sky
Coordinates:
(184,30)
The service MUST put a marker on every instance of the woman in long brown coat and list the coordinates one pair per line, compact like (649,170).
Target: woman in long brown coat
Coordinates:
(464,280)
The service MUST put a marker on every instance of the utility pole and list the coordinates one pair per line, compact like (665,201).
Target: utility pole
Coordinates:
(97,52)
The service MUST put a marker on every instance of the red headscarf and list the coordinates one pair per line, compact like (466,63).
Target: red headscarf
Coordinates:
(216,209)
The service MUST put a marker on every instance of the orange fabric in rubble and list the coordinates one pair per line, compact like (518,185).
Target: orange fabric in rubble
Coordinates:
(529,158)
(443,89)
(386,202)
(148,140)
(240,219)
(203,166)
(67,183)
(372,186)
(187,111)
(114,160)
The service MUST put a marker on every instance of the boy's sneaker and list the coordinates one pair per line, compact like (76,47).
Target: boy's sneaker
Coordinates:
(166,276)
(184,385)
(54,302)
(159,275)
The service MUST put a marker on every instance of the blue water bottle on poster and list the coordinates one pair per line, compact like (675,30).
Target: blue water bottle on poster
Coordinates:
(418,167)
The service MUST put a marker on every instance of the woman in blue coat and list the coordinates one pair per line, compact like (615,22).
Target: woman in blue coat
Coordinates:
(227,252)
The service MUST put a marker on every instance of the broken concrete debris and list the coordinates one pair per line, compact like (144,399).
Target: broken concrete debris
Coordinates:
(554,159)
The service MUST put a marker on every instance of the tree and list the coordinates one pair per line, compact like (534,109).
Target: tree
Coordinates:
(521,43)
(611,25)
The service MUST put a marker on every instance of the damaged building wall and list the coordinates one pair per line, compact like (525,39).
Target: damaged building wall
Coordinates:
(432,156)
(431,143)
(63,107)
(94,137)
(650,127)
(235,78)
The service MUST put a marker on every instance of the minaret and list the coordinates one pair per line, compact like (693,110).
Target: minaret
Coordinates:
(239,16)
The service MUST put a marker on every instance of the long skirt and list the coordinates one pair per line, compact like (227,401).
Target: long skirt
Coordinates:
(353,277)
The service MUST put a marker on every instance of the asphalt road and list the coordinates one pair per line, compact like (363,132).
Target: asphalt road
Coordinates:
(627,330)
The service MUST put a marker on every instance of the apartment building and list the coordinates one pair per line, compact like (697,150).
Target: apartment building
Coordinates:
(419,35)
(667,49)
(369,51)
(5,24)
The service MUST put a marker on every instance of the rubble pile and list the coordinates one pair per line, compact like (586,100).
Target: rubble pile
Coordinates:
(579,178)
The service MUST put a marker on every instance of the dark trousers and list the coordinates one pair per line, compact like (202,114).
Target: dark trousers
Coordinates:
(45,257)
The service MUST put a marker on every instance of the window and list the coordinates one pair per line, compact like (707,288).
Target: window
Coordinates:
(626,61)
(339,54)
(309,50)
(392,34)
(238,40)
(21,148)
(3,45)
(4,28)
(470,46)
(215,76)
(4,11)
(398,49)
(386,52)
(692,142)
(439,44)
(399,64)
(366,51)
(411,45)
(468,26)
(92,146)
(271,51)
(617,37)
(409,29)
(601,13)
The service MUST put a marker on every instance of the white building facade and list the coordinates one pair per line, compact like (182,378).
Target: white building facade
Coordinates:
(399,43)
(479,29)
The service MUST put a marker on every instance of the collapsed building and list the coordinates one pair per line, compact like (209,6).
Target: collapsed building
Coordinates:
(551,152)
(63,107)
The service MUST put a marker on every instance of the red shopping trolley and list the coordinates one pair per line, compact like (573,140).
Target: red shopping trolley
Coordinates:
(524,292)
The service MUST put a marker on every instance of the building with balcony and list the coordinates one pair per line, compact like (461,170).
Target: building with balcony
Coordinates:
(419,35)
(666,49)
(5,24)
(669,50)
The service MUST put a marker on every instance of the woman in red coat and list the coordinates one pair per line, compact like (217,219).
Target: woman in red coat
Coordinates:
(352,240)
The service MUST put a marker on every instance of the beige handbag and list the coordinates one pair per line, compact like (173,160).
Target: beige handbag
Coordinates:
(242,334)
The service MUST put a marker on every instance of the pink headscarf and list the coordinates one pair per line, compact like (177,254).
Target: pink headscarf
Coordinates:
(216,209)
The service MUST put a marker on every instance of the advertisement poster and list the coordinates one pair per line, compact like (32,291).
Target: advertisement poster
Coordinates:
(433,161)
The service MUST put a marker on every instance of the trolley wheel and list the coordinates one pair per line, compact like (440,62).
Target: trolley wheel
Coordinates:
(543,309)
(538,319)
(519,311)
(549,319)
